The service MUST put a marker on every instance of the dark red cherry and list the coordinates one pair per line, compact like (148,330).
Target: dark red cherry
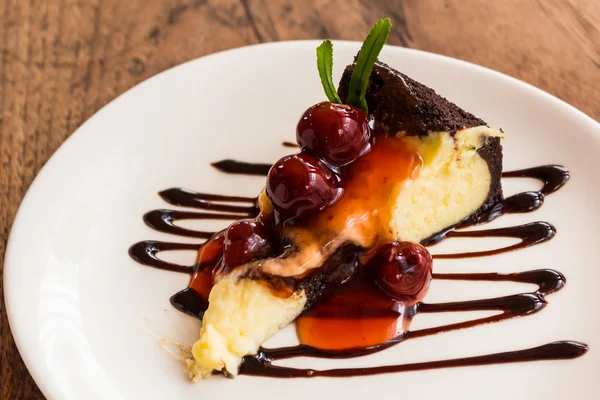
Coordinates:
(402,270)
(299,185)
(335,133)
(245,240)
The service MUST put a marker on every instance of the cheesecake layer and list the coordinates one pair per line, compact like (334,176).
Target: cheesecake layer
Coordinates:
(243,314)
(454,184)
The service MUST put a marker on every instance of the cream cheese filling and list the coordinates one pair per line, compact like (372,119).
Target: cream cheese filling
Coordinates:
(454,182)
(242,315)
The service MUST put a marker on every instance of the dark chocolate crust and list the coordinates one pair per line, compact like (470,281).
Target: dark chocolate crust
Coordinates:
(400,103)
(336,270)
(491,152)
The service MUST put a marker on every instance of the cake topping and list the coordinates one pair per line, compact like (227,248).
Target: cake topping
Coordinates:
(335,133)
(300,184)
(365,60)
(325,67)
(402,270)
(244,241)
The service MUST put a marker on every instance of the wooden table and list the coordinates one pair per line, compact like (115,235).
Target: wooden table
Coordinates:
(62,60)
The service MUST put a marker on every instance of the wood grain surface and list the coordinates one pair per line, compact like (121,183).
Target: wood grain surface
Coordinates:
(62,60)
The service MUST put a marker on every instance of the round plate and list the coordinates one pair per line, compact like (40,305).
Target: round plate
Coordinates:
(91,323)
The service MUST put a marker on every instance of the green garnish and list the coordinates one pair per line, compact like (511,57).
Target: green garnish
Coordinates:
(325,66)
(367,56)
(365,61)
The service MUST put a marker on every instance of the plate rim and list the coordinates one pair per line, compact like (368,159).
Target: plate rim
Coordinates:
(9,278)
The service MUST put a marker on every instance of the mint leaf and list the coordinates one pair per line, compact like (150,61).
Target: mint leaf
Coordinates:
(325,67)
(365,61)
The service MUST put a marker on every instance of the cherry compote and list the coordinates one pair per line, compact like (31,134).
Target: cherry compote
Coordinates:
(335,133)
(211,251)
(402,270)
(299,185)
(208,262)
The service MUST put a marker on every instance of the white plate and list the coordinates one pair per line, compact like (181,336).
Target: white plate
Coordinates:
(89,321)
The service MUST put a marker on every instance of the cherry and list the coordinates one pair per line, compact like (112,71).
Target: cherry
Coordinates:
(402,270)
(299,185)
(335,133)
(244,241)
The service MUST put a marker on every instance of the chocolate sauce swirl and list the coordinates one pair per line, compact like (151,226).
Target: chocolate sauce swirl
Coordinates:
(552,176)
(529,235)
(164,221)
(562,350)
(205,201)
(240,167)
(145,252)
(188,301)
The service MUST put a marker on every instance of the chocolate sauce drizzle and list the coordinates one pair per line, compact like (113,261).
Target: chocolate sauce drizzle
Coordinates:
(562,350)
(144,252)
(529,235)
(240,167)
(553,177)
(232,208)
(204,201)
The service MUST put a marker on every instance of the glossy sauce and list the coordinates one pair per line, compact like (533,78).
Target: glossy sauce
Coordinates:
(528,234)
(553,178)
(562,350)
(144,252)
(240,167)
(356,315)
(360,216)
(372,185)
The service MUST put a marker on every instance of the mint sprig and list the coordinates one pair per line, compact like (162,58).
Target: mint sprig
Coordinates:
(365,61)
(325,67)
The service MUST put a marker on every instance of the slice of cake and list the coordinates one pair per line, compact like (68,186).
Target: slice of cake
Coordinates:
(400,164)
